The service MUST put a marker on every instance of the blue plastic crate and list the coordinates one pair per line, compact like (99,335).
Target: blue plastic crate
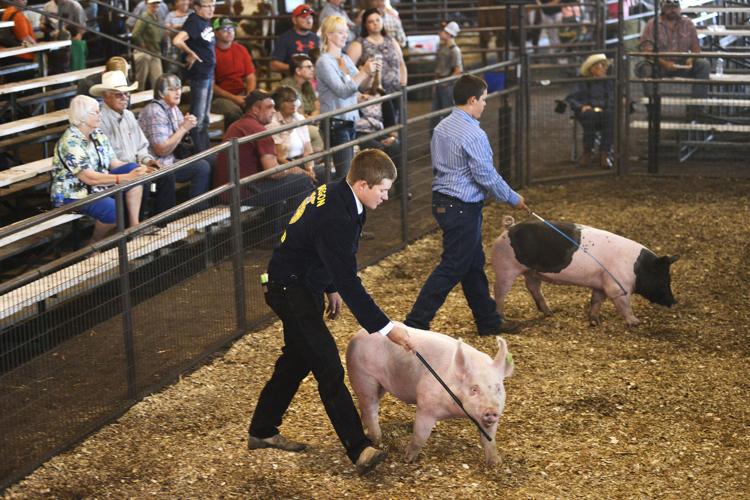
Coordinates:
(495,81)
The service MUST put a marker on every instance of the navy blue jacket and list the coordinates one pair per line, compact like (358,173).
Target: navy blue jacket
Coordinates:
(319,249)
(594,92)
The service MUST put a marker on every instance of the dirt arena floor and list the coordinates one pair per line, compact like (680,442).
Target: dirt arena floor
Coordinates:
(660,410)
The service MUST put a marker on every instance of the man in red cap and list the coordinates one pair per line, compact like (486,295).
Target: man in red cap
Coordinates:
(299,39)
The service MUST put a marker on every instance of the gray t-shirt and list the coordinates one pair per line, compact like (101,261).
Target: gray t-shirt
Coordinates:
(448,57)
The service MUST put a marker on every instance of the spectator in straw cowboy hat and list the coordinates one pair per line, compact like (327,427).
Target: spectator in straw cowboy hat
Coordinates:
(592,101)
(119,123)
(115,63)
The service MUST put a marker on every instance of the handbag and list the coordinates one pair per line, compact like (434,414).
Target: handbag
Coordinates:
(186,147)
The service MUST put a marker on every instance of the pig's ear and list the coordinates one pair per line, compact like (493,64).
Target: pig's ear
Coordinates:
(459,360)
(504,359)
(672,259)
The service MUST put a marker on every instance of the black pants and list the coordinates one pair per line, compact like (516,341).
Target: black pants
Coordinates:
(308,346)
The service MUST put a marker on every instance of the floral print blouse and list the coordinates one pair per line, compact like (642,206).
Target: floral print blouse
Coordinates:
(74,152)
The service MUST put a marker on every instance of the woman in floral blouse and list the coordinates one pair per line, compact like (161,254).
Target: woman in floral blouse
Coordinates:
(85,163)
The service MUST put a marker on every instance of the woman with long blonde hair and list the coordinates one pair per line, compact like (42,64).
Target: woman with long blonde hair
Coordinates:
(338,84)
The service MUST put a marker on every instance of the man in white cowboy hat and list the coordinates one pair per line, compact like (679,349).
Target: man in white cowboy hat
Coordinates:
(118,123)
(676,34)
(593,104)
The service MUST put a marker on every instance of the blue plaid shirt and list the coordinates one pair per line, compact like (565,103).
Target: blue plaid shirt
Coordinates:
(462,162)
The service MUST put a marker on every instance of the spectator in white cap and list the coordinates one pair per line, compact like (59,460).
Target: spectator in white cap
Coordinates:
(449,63)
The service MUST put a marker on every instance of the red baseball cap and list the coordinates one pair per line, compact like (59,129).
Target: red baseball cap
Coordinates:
(303,10)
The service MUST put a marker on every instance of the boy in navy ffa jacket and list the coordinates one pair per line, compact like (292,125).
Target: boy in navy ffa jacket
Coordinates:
(317,257)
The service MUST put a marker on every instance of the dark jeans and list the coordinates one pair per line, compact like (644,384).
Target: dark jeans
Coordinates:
(342,132)
(308,346)
(442,98)
(701,70)
(201,93)
(391,112)
(593,121)
(462,262)
(198,173)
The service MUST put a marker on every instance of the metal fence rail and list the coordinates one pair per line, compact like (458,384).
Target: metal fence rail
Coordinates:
(86,336)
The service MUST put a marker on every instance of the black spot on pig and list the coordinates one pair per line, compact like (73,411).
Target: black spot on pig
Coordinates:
(652,279)
(541,248)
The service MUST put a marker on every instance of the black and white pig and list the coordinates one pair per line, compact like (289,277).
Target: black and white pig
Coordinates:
(541,254)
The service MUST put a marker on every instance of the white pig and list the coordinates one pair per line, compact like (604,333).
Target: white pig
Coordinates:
(541,254)
(376,365)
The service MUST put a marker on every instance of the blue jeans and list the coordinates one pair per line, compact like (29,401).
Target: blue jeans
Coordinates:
(201,93)
(342,131)
(198,173)
(462,262)
(105,209)
(442,98)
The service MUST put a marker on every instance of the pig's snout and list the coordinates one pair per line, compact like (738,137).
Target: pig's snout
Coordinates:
(490,416)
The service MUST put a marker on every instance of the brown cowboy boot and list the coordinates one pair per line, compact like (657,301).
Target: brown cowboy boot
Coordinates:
(604,160)
(585,159)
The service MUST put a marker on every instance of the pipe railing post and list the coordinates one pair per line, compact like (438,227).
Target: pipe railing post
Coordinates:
(326,125)
(235,215)
(522,137)
(404,167)
(126,304)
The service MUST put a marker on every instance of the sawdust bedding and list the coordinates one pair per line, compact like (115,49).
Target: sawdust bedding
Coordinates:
(660,410)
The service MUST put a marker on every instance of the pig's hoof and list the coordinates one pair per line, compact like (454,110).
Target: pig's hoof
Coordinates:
(375,438)
(594,321)
(411,456)
(633,323)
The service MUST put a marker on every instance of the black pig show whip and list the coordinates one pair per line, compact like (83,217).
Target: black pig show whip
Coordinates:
(455,398)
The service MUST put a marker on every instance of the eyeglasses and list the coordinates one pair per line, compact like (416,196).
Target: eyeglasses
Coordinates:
(305,12)
(174,89)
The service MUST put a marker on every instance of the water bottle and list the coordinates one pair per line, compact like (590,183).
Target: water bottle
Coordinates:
(720,66)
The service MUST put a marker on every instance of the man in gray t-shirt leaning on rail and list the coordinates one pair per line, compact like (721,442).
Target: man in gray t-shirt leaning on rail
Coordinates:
(449,62)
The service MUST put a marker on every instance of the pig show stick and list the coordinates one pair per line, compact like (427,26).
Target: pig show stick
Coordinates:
(455,398)
(579,247)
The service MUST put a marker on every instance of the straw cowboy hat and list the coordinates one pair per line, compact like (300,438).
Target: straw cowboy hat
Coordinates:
(114,81)
(590,61)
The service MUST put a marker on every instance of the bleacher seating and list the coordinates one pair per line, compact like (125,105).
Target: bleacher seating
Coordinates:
(77,278)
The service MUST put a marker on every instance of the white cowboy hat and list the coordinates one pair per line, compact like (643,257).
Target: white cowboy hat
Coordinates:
(590,61)
(112,81)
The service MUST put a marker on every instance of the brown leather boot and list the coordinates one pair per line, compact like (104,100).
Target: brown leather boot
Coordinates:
(585,159)
(604,160)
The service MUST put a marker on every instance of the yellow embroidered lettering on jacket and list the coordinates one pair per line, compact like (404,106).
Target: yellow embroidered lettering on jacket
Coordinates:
(319,194)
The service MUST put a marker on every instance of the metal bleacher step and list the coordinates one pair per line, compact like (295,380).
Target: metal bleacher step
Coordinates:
(707,127)
(694,101)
